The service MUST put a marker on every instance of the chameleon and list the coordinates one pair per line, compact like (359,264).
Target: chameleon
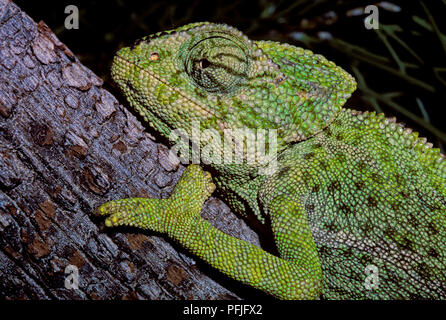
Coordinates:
(356,203)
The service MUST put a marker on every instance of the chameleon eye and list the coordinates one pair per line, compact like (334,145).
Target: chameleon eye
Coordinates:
(154,56)
(204,63)
(217,64)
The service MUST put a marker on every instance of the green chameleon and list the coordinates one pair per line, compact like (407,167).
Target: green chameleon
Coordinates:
(357,203)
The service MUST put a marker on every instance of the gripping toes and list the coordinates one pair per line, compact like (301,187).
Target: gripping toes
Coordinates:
(136,212)
(186,201)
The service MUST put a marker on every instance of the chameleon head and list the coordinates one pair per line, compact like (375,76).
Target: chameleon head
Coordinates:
(214,74)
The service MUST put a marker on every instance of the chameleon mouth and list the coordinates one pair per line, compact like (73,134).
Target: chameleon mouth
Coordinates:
(120,66)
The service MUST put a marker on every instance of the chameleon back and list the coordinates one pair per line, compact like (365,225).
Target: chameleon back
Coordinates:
(376,209)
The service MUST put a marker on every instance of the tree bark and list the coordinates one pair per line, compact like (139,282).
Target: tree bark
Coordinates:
(67,146)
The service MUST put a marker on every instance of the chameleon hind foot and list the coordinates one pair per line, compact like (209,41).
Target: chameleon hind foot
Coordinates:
(185,203)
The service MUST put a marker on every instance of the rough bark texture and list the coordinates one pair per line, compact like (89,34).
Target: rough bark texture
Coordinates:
(66,146)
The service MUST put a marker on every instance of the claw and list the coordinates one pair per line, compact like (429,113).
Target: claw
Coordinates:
(110,222)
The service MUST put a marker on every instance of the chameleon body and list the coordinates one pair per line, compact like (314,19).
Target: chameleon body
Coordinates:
(357,204)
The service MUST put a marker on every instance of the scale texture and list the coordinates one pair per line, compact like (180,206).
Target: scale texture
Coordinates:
(357,204)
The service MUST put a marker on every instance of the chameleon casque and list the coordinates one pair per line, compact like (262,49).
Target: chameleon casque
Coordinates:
(354,192)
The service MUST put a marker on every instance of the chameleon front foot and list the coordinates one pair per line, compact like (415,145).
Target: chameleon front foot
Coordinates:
(162,215)
(135,212)
(179,218)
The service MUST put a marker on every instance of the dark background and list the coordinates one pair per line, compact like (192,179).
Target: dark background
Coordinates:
(400,68)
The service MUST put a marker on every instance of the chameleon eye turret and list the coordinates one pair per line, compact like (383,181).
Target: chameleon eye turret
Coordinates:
(212,69)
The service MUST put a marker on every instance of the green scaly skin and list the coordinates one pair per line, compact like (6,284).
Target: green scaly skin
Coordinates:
(352,189)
